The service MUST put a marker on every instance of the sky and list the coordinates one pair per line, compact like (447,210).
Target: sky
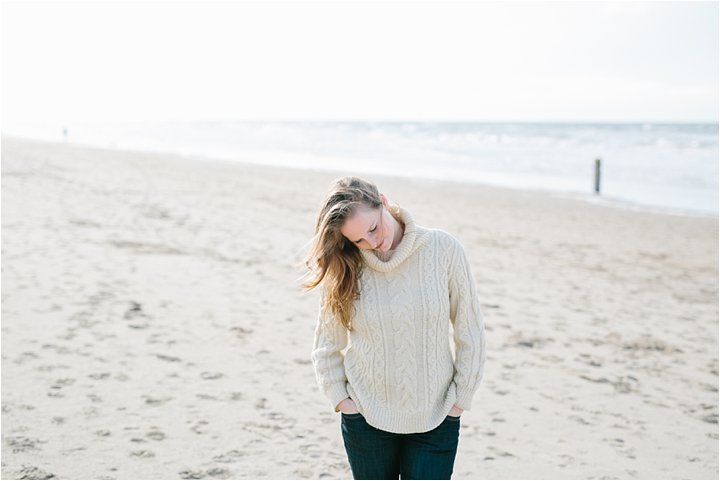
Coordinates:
(364,61)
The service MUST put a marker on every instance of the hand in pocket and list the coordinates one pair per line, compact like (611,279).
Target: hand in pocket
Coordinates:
(347,406)
(455,412)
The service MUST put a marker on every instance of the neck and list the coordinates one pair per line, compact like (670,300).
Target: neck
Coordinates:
(399,231)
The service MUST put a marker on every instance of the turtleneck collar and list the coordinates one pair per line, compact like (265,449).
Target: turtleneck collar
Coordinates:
(401,252)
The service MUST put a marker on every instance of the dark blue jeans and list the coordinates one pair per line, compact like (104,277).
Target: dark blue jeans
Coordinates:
(377,454)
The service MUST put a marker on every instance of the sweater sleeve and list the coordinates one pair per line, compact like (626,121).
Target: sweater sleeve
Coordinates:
(328,361)
(468,329)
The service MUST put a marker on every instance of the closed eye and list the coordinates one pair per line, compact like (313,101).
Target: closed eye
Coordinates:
(373,230)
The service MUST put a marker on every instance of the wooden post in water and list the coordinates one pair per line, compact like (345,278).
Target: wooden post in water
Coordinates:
(597,176)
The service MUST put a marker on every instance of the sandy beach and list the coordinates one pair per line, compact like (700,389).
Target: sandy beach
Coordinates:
(153,325)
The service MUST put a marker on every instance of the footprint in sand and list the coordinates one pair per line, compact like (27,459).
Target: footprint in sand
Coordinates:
(155,435)
(711,418)
(51,367)
(135,310)
(21,444)
(623,384)
(198,427)
(91,412)
(501,453)
(63,382)
(156,401)
(165,357)
(229,457)
(206,397)
(212,473)
(33,472)
(143,453)
(581,420)
(590,360)
(25,357)
(136,315)
(94,398)
(58,349)
(241,332)
(190,474)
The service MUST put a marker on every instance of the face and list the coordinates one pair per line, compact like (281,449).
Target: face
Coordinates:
(369,229)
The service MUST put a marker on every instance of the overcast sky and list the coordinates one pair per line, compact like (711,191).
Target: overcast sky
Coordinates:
(338,60)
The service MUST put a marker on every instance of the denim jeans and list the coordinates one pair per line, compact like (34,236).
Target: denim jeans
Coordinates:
(377,454)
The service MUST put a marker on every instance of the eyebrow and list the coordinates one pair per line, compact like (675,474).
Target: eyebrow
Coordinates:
(371,228)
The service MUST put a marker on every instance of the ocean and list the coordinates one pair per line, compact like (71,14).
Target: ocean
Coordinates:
(649,166)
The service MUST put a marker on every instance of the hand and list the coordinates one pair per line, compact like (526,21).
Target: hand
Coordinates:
(347,406)
(455,411)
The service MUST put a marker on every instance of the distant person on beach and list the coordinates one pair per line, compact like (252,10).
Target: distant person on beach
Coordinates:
(391,288)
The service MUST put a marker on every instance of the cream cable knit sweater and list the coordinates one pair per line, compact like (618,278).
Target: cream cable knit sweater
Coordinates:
(398,367)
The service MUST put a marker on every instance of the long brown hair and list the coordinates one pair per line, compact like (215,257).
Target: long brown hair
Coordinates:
(333,260)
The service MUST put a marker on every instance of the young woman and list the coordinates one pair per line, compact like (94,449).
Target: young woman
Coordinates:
(392,288)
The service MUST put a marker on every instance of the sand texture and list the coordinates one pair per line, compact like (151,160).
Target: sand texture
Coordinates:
(153,325)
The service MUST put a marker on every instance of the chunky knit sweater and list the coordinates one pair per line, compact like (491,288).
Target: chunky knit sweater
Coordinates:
(398,366)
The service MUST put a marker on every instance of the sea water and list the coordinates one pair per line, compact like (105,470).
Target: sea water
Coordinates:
(671,167)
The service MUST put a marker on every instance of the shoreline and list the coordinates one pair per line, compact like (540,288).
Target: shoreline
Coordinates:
(588,198)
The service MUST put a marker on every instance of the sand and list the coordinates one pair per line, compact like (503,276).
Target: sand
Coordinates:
(153,325)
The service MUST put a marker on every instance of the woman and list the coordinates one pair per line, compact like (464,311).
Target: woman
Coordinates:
(391,286)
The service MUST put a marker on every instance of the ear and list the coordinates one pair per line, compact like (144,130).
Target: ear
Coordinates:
(384,200)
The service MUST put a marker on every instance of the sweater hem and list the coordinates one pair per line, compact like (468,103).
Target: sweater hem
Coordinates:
(402,422)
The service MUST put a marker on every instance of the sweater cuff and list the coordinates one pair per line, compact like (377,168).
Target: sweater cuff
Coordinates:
(336,393)
(464,400)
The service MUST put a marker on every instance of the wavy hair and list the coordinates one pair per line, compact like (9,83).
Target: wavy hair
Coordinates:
(333,260)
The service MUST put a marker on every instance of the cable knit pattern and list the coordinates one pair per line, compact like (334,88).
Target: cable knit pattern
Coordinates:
(398,367)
